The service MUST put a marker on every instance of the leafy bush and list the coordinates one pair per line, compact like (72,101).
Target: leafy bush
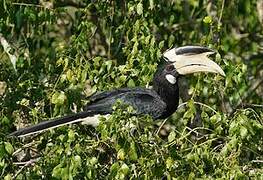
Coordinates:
(56,54)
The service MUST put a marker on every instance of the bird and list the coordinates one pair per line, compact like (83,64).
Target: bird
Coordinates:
(160,102)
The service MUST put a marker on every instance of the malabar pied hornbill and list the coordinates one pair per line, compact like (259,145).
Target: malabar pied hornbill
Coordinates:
(159,102)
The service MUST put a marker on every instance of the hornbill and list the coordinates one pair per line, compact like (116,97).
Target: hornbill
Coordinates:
(159,102)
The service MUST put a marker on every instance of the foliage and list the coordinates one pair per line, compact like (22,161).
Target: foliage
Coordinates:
(64,51)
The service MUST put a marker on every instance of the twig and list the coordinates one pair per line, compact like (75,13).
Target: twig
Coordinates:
(160,127)
(25,146)
(8,49)
(249,91)
(25,164)
(221,13)
(59,3)
(257,161)
(183,104)
(195,130)
(96,20)
(199,103)
(63,3)
(217,147)
(248,105)
(25,4)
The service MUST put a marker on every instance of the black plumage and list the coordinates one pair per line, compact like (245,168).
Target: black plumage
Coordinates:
(159,102)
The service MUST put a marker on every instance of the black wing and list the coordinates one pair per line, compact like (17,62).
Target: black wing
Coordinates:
(105,94)
(144,101)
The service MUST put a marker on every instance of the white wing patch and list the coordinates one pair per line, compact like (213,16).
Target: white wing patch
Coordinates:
(93,120)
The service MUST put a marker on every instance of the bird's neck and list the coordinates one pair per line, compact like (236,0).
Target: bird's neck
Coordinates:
(169,93)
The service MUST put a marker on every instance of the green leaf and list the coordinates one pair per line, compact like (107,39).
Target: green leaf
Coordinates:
(69,75)
(114,168)
(215,118)
(57,171)
(161,44)
(58,98)
(108,64)
(77,161)
(132,152)
(208,20)
(8,177)
(5,120)
(151,2)
(121,154)
(93,161)
(169,162)
(71,135)
(243,132)
(131,83)
(140,8)
(9,148)
(124,169)
(171,136)
(122,78)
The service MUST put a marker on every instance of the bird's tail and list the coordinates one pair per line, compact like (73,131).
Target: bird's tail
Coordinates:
(78,117)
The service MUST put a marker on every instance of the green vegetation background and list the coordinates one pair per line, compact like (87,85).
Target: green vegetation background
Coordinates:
(55,54)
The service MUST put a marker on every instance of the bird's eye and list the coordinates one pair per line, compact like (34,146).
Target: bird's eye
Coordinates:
(170,67)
